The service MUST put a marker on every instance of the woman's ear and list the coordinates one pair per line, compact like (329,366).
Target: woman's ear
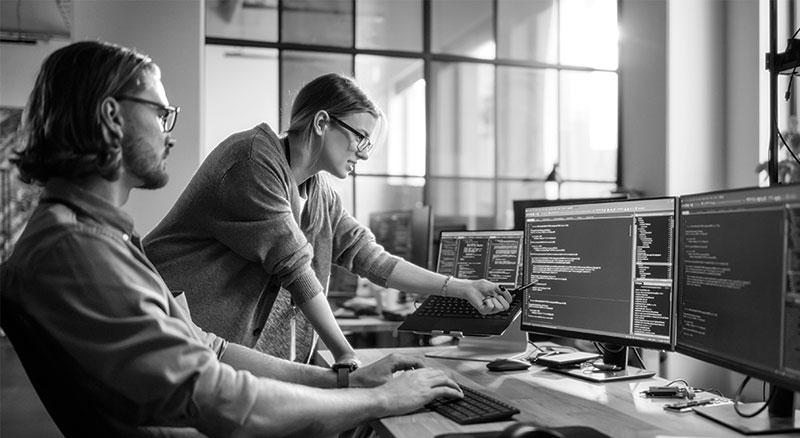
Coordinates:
(321,121)
(111,120)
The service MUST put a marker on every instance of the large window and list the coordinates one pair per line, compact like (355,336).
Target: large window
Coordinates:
(483,99)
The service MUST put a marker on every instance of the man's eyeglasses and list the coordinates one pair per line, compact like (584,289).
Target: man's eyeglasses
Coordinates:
(167,119)
(364,145)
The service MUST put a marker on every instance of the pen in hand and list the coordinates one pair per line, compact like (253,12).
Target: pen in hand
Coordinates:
(521,288)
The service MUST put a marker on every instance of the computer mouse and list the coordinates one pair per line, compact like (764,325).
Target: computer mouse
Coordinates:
(508,365)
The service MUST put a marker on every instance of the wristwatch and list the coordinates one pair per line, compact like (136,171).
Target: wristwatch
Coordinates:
(343,371)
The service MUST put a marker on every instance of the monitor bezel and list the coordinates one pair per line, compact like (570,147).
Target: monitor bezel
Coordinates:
(621,340)
(519,205)
(730,363)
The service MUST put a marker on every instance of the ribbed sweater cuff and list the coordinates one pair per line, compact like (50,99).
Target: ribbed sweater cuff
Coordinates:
(384,269)
(305,287)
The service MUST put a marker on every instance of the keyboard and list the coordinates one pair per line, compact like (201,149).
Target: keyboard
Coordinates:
(475,407)
(437,306)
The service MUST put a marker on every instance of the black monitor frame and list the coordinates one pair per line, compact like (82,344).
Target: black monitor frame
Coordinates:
(520,205)
(615,351)
(781,416)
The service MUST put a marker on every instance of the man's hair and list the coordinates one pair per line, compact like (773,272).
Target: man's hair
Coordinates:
(61,133)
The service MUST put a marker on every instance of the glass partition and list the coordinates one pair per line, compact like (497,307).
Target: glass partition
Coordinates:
(255,20)
(389,24)
(462,120)
(463,27)
(325,23)
(528,30)
(398,88)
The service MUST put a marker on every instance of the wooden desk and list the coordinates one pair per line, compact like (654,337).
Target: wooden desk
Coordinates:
(553,400)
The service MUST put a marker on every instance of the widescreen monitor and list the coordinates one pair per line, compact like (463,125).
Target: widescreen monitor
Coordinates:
(739,294)
(605,273)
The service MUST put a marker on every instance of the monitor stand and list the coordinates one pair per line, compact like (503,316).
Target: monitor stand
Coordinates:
(615,355)
(512,343)
(780,417)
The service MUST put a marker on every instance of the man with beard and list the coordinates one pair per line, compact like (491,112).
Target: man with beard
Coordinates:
(98,124)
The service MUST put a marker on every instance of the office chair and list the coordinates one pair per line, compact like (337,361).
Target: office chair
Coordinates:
(60,383)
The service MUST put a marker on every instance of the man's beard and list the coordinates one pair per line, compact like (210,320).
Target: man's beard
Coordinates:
(142,162)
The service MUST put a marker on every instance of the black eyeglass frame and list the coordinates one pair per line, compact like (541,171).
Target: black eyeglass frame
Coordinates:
(365,144)
(168,120)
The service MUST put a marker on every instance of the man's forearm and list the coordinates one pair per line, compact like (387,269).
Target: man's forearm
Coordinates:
(283,410)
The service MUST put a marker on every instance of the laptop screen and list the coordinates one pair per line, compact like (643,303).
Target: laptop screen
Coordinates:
(473,255)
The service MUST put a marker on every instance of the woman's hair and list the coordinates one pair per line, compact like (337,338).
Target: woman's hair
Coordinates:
(337,94)
(61,133)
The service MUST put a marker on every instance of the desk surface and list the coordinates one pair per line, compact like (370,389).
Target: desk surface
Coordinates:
(553,400)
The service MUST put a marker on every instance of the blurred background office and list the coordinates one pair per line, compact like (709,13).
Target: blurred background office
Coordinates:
(485,98)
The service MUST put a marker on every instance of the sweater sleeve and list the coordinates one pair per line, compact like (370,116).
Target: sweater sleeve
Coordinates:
(257,222)
(354,245)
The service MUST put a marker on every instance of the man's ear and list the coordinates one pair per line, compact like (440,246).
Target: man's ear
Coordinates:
(111,120)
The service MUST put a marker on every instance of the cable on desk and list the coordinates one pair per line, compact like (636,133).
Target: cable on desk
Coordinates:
(695,389)
(738,396)
(639,356)
(545,351)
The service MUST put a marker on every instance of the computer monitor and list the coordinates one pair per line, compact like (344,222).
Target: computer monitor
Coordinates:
(605,273)
(405,233)
(520,205)
(739,294)
(493,255)
(483,254)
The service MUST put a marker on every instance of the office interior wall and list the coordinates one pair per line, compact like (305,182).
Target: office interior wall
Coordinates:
(745,72)
(695,126)
(172,33)
(19,64)
(643,95)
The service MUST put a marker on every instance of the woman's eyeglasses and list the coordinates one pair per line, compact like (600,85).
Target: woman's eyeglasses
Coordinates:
(167,119)
(364,145)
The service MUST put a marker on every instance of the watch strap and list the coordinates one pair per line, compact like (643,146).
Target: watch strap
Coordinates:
(343,377)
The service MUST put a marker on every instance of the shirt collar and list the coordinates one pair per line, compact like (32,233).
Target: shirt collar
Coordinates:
(93,206)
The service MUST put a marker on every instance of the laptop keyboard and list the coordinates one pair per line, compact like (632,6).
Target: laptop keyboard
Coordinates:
(449,307)
(475,407)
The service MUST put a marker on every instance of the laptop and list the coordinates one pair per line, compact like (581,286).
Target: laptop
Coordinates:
(491,254)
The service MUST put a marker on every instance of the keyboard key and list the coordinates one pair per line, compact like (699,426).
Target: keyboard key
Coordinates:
(475,407)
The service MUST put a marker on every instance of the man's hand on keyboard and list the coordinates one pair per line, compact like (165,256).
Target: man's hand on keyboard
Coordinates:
(413,389)
(484,295)
(381,371)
